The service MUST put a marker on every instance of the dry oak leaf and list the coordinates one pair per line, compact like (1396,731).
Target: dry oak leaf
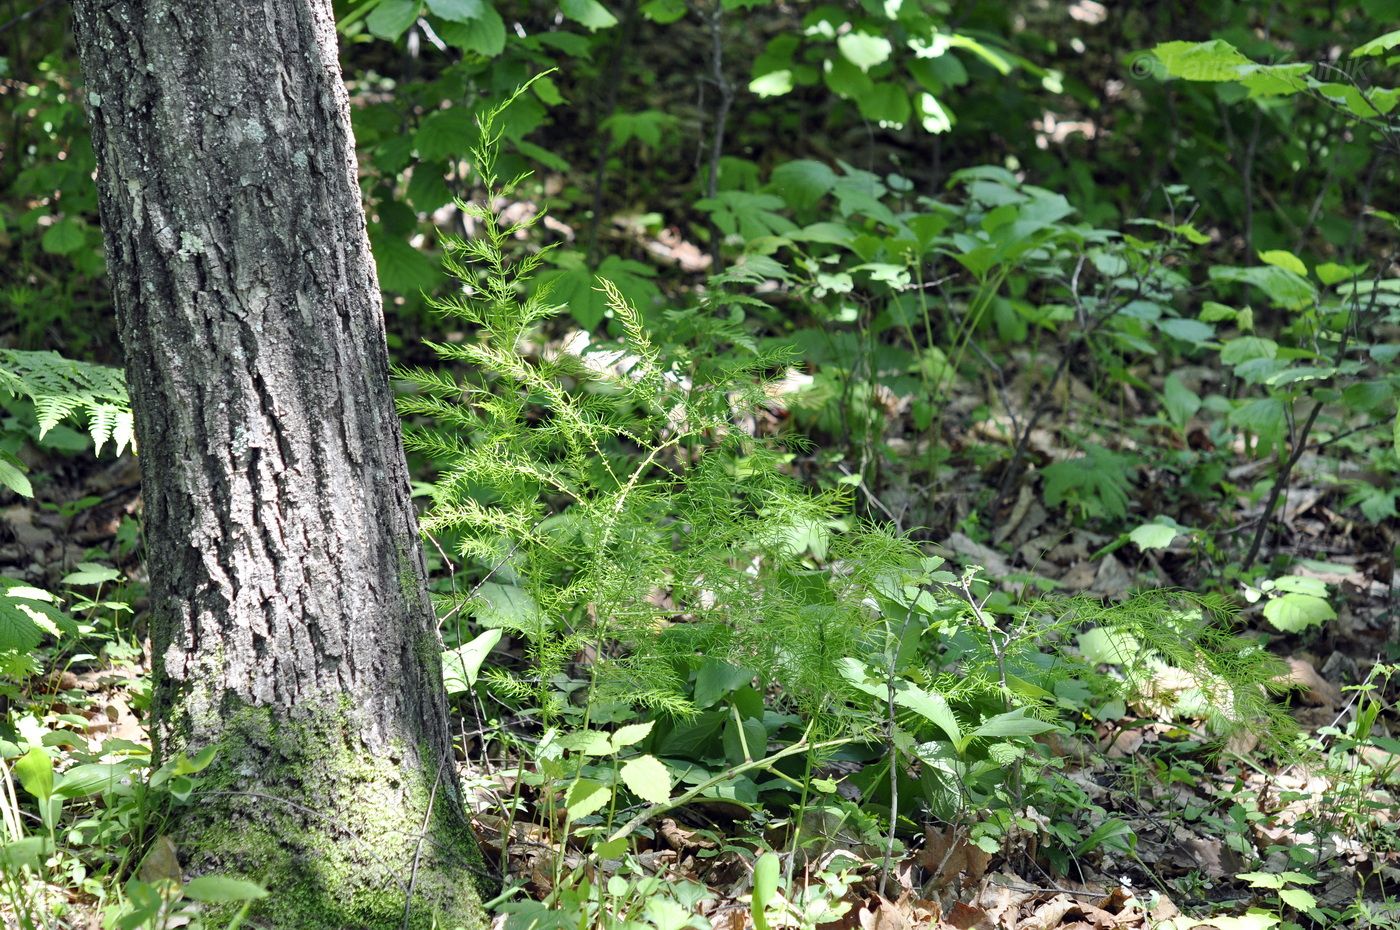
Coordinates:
(1315,689)
(879,914)
(1049,915)
(967,917)
(946,855)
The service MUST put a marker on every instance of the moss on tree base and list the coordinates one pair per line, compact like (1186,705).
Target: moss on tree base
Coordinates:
(344,839)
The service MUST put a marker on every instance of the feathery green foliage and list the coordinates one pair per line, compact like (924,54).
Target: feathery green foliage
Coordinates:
(609,503)
(61,388)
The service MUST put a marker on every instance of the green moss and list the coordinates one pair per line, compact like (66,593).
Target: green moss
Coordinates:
(332,831)
(188,709)
(410,581)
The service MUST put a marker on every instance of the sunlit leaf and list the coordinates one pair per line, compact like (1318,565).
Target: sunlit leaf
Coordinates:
(648,779)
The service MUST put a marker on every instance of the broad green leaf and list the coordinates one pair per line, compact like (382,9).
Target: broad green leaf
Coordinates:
(648,779)
(187,766)
(485,34)
(12,477)
(932,116)
(931,706)
(748,215)
(1286,288)
(34,770)
(1262,879)
(1216,60)
(221,889)
(1212,312)
(646,126)
(663,913)
(63,237)
(1154,535)
(1106,832)
(461,666)
(1293,613)
(1012,723)
(26,614)
(1264,417)
(457,11)
(392,18)
(1252,919)
(402,268)
(886,104)
(28,593)
(588,13)
(717,678)
(587,742)
(1246,348)
(765,886)
(803,182)
(772,84)
(1103,647)
(1190,233)
(1377,46)
(1330,273)
(630,734)
(1192,331)
(1275,80)
(542,155)
(694,738)
(587,796)
(1259,370)
(28,852)
(426,188)
(91,573)
(1282,258)
(864,50)
(1180,401)
(1300,584)
(664,11)
(577,288)
(92,778)
(508,607)
(1369,397)
(1098,481)
(1376,101)
(1296,373)
(845,79)
(744,740)
(1298,898)
(548,91)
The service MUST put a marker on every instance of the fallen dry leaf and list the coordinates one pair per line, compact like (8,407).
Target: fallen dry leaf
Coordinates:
(1314,688)
(879,914)
(947,854)
(966,917)
(1049,915)
(1207,853)
(1003,894)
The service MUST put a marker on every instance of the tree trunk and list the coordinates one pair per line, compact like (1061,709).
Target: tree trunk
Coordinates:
(290,622)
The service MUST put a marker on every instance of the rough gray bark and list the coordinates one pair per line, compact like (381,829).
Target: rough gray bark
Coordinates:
(290,622)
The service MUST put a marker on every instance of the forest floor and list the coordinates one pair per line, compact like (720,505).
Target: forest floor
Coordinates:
(1197,817)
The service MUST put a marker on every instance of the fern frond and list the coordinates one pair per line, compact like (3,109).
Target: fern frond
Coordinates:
(62,388)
